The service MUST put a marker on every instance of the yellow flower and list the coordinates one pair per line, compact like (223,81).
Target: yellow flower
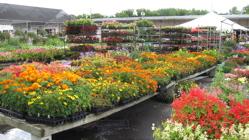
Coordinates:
(32,93)
(29,103)
(118,98)
(60,93)
(41,103)
(59,98)
(76,96)
(120,89)
(65,103)
(242,80)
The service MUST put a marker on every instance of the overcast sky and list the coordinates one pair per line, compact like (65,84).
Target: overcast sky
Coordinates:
(110,7)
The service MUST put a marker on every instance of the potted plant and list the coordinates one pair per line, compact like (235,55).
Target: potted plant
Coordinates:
(144,23)
(165,97)
(111,24)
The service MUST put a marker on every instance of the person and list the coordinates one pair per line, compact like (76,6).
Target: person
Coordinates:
(235,37)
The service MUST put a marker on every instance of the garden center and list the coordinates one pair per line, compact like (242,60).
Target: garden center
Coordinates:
(101,69)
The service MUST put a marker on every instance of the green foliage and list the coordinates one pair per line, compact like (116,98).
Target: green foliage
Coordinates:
(6,48)
(85,21)
(97,15)
(125,13)
(42,32)
(226,50)
(24,47)
(81,21)
(32,34)
(19,33)
(38,40)
(14,42)
(234,10)
(147,12)
(4,36)
(54,42)
(180,12)
(50,35)
(144,23)
(231,43)
(245,9)
(80,16)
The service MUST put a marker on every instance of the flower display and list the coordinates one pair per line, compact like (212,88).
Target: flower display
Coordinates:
(81,48)
(5,56)
(200,115)
(95,80)
(111,24)
(88,39)
(45,93)
(36,54)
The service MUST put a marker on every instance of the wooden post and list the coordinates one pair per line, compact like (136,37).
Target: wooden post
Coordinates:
(212,72)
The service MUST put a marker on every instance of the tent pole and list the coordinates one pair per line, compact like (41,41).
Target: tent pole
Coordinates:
(220,36)
(240,33)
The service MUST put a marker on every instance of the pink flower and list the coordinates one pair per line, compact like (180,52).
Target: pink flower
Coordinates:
(229,75)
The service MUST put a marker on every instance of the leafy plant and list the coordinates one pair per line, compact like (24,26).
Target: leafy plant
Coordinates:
(145,23)
(42,32)
(4,36)
(54,42)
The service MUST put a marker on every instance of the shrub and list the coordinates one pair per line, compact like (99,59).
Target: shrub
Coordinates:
(145,23)
(42,32)
(14,42)
(19,33)
(54,42)
(4,36)
(32,34)
(231,44)
(38,40)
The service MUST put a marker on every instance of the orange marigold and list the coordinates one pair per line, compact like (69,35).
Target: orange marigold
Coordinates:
(35,85)
(64,86)
(6,87)
(19,90)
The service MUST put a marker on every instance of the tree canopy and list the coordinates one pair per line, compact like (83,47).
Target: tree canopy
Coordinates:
(161,12)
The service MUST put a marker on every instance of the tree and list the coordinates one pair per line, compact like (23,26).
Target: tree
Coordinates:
(80,16)
(125,13)
(147,12)
(121,14)
(234,10)
(97,15)
(245,10)
(198,12)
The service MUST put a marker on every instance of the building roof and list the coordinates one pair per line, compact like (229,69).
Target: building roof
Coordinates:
(186,17)
(11,13)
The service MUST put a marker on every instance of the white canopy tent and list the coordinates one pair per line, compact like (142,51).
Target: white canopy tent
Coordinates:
(212,19)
